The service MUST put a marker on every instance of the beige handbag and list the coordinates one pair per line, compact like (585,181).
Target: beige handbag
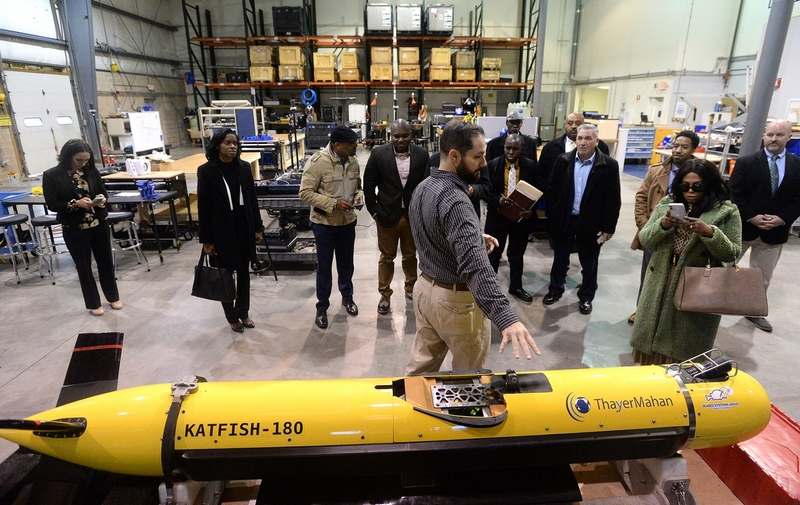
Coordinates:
(732,290)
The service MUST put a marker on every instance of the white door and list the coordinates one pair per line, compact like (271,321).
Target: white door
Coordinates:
(45,113)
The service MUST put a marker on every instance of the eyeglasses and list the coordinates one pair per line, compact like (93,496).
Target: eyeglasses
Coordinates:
(697,187)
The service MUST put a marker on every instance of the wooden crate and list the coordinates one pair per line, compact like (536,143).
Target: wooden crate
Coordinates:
(408,55)
(464,59)
(262,74)
(380,72)
(492,63)
(465,74)
(262,55)
(441,73)
(349,74)
(324,74)
(348,59)
(408,73)
(490,75)
(324,60)
(440,56)
(291,72)
(291,55)
(381,55)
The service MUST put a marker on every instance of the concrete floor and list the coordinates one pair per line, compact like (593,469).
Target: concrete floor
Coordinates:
(170,335)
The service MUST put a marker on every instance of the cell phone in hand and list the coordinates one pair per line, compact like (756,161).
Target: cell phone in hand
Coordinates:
(677,211)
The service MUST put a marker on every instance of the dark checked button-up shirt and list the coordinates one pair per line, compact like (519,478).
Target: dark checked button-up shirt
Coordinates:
(450,243)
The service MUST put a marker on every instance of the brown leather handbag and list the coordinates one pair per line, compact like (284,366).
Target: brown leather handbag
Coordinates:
(734,291)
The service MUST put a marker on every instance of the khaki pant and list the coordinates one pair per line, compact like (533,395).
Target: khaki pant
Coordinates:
(447,320)
(387,244)
(763,256)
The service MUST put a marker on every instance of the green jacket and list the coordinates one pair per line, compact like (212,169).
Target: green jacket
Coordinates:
(660,327)
(326,180)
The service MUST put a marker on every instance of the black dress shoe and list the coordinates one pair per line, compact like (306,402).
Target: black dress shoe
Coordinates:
(585,306)
(351,307)
(321,320)
(384,306)
(521,295)
(761,323)
(550,298)
(237,327)
(248,323)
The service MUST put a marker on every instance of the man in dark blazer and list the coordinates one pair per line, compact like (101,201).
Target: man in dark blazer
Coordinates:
(496,147)
(583,202)
(564,144)
(394,170)
(504,173)
(766,187)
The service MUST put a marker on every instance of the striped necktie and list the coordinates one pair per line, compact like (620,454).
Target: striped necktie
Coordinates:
(773,172)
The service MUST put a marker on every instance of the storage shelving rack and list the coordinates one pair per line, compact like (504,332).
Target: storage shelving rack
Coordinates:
(201,43)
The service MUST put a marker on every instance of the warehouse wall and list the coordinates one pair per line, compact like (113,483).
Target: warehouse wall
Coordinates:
(140,82)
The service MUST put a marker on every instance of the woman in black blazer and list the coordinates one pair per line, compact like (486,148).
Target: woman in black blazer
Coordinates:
(74,190)
(229,219)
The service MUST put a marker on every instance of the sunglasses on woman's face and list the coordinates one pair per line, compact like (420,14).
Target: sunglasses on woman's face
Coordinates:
(697,187)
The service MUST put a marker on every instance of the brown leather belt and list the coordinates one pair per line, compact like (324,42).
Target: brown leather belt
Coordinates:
(445,285)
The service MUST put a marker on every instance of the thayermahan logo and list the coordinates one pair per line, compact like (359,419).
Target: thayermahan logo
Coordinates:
(577,407)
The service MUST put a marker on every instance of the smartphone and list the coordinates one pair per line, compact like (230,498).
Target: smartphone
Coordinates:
(677,211)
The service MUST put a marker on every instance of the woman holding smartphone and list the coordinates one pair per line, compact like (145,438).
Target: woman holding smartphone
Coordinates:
(74,190)
(696,224)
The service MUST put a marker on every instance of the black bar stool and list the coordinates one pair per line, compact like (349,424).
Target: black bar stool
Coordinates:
(13,244)
(45,245)
(131,242)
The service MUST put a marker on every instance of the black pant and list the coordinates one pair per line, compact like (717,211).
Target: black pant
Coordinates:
(341,241)
(588,254)
(517,235)
(81,244)
(240,308)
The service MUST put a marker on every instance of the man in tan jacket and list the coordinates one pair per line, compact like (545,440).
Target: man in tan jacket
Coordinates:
(656,185)
(331,183)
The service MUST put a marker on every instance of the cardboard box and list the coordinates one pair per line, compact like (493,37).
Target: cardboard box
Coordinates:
(380,72)
(490,75)
(408,55)
(440,56)
(324,74)
(465,74)
(492,63)
(324,60)
(441,72)
(464,59)
(349,74)
(291,72)
(381,55)
(262,74)
(291,55)
(348,59)
(262,55)
(408,73)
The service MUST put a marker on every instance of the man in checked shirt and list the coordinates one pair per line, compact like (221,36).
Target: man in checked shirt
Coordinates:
(458,285)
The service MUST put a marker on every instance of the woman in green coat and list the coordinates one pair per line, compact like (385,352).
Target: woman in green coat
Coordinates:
(711,233)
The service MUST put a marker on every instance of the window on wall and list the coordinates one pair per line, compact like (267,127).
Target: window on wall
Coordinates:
(32,121)
(31,16)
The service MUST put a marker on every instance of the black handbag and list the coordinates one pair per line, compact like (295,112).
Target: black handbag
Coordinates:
(213,283)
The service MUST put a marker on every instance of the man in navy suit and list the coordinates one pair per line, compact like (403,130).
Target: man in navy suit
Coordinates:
(766,187)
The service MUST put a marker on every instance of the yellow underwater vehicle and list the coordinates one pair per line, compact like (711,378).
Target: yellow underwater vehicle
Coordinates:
(225,430)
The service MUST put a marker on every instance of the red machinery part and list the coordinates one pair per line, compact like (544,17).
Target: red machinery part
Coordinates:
(764,469)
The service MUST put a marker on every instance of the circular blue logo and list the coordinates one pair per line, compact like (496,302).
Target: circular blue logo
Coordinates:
(582,405)
(577,406)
